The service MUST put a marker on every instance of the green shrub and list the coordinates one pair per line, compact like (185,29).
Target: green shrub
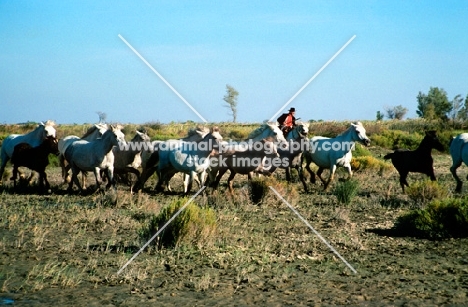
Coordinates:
(421,192)
(369,162)
(258,190)
(441,219)
(394,139)
(193,226)
(361,151)
(345,191)
(237,134)
(54,161)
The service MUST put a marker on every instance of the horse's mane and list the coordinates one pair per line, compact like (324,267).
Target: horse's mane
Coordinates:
(91,130)
(352,124)
(259,130)
(49,123)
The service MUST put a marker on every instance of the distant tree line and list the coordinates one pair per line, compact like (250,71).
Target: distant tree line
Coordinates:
(435,105)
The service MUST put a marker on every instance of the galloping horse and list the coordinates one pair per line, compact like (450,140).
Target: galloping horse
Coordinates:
(94,156)
(459,153)
(267,131)
(93,133)
(129,160)
(34,158)
(33,138)
(150,157)
(419,160)
(329,153)
(245,162)
(292,157)
(191,158)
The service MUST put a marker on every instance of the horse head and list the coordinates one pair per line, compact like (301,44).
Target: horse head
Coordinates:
(51,144)
(48,129)
(301,128)
(360,134)
(433,140)
(141,137)
(276,133)
(215,132)
(119,136)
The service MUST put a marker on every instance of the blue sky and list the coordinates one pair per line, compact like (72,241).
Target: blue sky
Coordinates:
(63,60)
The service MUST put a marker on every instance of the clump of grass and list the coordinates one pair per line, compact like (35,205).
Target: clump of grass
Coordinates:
(422,192)
(360,151)
(345,191)
(258,190)
(194,225)
(441,219)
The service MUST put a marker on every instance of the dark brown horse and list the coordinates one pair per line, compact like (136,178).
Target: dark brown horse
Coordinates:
(418,161)
(34,158)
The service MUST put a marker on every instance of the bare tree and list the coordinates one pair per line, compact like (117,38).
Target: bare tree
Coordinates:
(102,117)
(231,99)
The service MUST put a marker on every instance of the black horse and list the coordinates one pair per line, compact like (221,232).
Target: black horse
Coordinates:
(418,161)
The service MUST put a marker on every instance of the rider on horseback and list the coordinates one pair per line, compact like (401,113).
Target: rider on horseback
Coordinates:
(287,121)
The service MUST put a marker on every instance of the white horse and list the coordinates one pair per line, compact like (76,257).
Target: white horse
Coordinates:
(129,160)
(328,153)
(94,132)
(33,138)
(267,131)
(245,162)
(94,156)
(459,153)
(150,158)
(191,158)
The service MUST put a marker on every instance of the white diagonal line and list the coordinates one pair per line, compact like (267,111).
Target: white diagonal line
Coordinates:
(312,228)
(162,78)
(313,77)
(161,229)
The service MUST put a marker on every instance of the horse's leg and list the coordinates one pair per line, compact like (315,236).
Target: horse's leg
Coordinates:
(83,180)
(187,181)
(350,171)
(5,159)
(453,170)
(110,177)
(144,176)
(43,182)
(97,175)
(15,175)
(319,174)
(403,181)
(330,178)
(161,180)
(431,174)
(288,174)
(307,167)
(230,182)
(74,180)
(301,177)
(136,172)
(62,166)
(218,178)
(30,179)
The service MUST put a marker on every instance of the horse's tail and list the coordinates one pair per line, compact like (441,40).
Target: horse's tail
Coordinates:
(388,156)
